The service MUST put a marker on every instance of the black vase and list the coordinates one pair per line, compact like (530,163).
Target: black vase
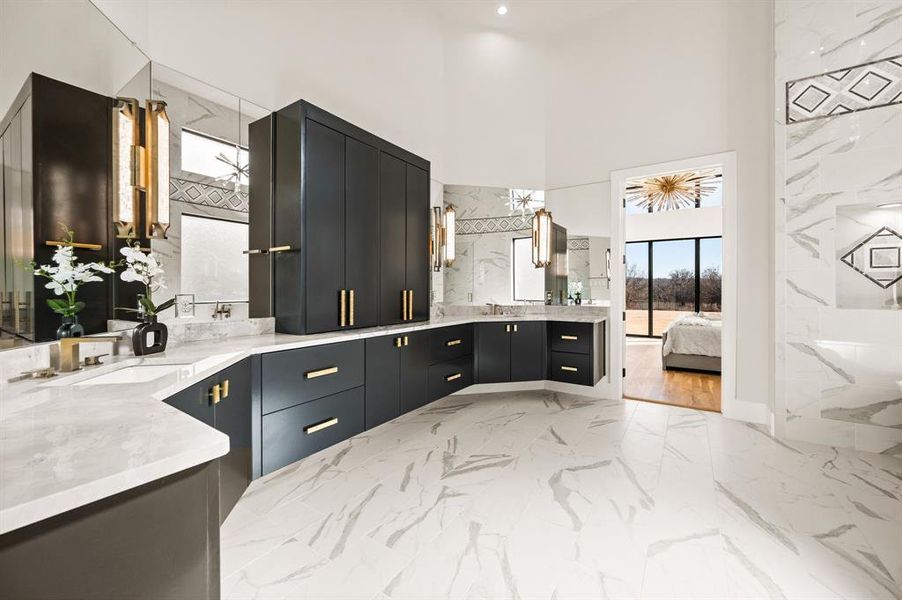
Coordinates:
(70,328)
(578,299)
(149,337)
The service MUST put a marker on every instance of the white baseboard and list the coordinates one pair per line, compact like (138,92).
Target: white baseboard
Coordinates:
(750,412)
(601,390)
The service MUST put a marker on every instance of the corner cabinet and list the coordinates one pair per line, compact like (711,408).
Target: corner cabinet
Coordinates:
(510,351)
(223,401)
(343,232)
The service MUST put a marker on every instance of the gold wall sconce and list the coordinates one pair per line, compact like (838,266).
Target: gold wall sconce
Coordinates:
(140,168)
(443,234)
(541,238)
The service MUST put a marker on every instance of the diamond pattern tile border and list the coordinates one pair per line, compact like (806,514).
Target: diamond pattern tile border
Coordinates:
(493,225)
(207,195)
(852,89)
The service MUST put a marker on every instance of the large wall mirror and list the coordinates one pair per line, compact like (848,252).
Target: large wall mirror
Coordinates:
(493,262)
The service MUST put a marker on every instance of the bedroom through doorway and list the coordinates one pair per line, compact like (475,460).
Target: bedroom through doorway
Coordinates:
(673,249)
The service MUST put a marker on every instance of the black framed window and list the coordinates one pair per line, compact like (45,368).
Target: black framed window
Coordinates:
(666,279)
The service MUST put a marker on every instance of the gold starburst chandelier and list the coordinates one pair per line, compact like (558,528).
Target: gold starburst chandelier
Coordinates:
(671,192)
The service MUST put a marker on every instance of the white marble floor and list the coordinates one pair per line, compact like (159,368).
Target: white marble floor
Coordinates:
(542,495)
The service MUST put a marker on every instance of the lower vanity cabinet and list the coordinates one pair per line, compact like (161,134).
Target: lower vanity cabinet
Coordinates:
(449,377)
(223,401)
(291,434)
(395,375)
(510,351)
(577,352)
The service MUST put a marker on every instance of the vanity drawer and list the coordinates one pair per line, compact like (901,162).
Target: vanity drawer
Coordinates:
(448,377)
(296,376)
(291,434)
(571,368)
(572,337)
(449,343)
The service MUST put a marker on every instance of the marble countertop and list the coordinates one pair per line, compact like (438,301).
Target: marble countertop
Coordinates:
(65,443)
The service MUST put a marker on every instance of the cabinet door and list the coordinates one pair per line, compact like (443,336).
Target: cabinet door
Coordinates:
(392,229)
(324,192)
(232,416)
(195,401)
(362,231)
(527,341)
(417,247)
(493,352)
(383,380)
(414,370)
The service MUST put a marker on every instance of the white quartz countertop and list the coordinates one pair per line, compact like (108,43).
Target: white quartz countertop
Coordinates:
(65,443)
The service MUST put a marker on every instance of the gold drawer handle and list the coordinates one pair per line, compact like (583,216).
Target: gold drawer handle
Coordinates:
(80,245)
(399,342)
(215,394)
(321,372)
(569,337)
(321,425)
(280,249)
(453,377)
(565,368)
(453,343)
(225,388)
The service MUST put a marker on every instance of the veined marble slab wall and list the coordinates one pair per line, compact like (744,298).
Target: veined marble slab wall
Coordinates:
(838,369)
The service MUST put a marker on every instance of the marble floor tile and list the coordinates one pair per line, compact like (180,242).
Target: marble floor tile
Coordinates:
(544,495)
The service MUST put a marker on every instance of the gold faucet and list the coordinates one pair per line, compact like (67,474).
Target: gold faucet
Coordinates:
(69,359)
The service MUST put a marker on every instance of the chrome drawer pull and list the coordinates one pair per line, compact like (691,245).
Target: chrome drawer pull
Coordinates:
(453,377)
(569,337)
(321,372)
(452,343)
(321,425)
(565,368)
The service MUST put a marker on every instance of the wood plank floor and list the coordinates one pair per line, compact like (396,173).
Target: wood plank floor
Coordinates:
(647,380)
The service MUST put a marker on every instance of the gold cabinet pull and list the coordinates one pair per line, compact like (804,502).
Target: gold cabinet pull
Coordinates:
(255,251)
(515,328)
(398,342)
(410,307)
(453,377)
(343,295)
(566,368)
(403,305)
(453,342)
(225,389)
(351,314)
(280,249)
(406,341)
(572,338)
(321,425)
(80,245)
(507,328)
(215,394)
(321,372)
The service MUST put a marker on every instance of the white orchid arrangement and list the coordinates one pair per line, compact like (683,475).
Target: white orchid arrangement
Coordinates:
(66,276)
(575,288)
(145,269)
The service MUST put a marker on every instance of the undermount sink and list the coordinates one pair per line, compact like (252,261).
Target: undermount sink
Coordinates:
(123,374)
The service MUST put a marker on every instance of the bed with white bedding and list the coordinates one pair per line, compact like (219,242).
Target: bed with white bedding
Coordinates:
(692,342)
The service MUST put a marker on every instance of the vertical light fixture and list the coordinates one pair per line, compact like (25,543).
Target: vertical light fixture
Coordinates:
(156,132)
(448,232)
(128,166)
(435,248)
(541,238)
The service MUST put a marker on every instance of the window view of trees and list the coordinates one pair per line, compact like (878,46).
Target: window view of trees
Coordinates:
(686,279)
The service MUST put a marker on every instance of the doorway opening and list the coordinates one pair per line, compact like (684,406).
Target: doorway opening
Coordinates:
(676,245)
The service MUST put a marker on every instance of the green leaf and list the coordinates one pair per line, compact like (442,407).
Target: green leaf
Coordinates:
(77,307)
(148,305)
(168,304)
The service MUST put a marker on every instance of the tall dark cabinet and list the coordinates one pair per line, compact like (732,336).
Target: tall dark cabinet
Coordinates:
(342,226)
(55,144)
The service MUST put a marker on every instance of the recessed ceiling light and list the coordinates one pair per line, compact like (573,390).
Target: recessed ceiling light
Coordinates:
(890,205)
(502,10)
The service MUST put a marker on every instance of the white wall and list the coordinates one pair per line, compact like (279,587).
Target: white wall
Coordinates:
(661,81)
(70,41)
(667,225)
(494,110)
(585,210)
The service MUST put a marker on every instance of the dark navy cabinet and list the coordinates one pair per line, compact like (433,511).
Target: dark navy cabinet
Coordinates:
(510,351)
(223,401)
(577,352)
